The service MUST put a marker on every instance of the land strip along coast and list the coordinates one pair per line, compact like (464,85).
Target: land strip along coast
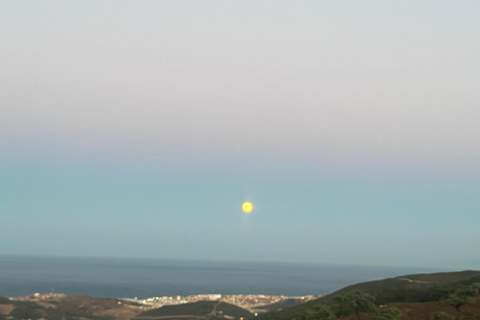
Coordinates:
(255,303)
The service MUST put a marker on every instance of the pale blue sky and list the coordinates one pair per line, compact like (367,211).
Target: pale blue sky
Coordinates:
(137,129)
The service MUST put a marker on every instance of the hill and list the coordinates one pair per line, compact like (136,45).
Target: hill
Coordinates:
(68,308)
(417,288)
(274,307)
(197,310)
(81,307)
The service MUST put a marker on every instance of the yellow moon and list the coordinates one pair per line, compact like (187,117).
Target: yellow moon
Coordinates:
(247,207)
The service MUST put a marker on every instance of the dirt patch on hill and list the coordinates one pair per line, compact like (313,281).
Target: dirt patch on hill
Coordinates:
(6,308)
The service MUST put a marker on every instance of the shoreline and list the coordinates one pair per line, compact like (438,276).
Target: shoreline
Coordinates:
(252,302)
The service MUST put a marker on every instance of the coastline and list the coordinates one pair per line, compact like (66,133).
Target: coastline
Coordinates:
(255,303)
(147,278)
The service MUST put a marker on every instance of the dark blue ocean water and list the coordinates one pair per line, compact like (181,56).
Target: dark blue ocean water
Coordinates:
(108,277)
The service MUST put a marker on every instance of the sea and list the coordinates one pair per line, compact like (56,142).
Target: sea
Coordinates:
(143,278)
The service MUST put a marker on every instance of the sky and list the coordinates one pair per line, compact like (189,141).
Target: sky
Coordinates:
(138,129)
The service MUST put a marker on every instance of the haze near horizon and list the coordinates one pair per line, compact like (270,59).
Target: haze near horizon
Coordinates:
(138,129)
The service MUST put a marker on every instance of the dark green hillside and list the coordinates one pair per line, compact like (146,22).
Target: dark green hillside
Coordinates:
(201,308)
(410,288)
(234,311)
(26,310)
(4,300)
(404,289)
(445,277)
(197,310)
(280,305)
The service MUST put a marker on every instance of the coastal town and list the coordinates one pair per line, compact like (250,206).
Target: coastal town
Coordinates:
(255,303)
(251,302)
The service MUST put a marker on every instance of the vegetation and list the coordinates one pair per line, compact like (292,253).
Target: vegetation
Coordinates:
(442,315)
(70,308)
(355,301)
(234,311)
(203,309)
(26,312)
(392,313)
(420,296)
(320,312)
(463,296)
(281,305)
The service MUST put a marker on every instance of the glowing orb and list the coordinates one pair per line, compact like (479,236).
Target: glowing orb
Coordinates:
(247,207)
